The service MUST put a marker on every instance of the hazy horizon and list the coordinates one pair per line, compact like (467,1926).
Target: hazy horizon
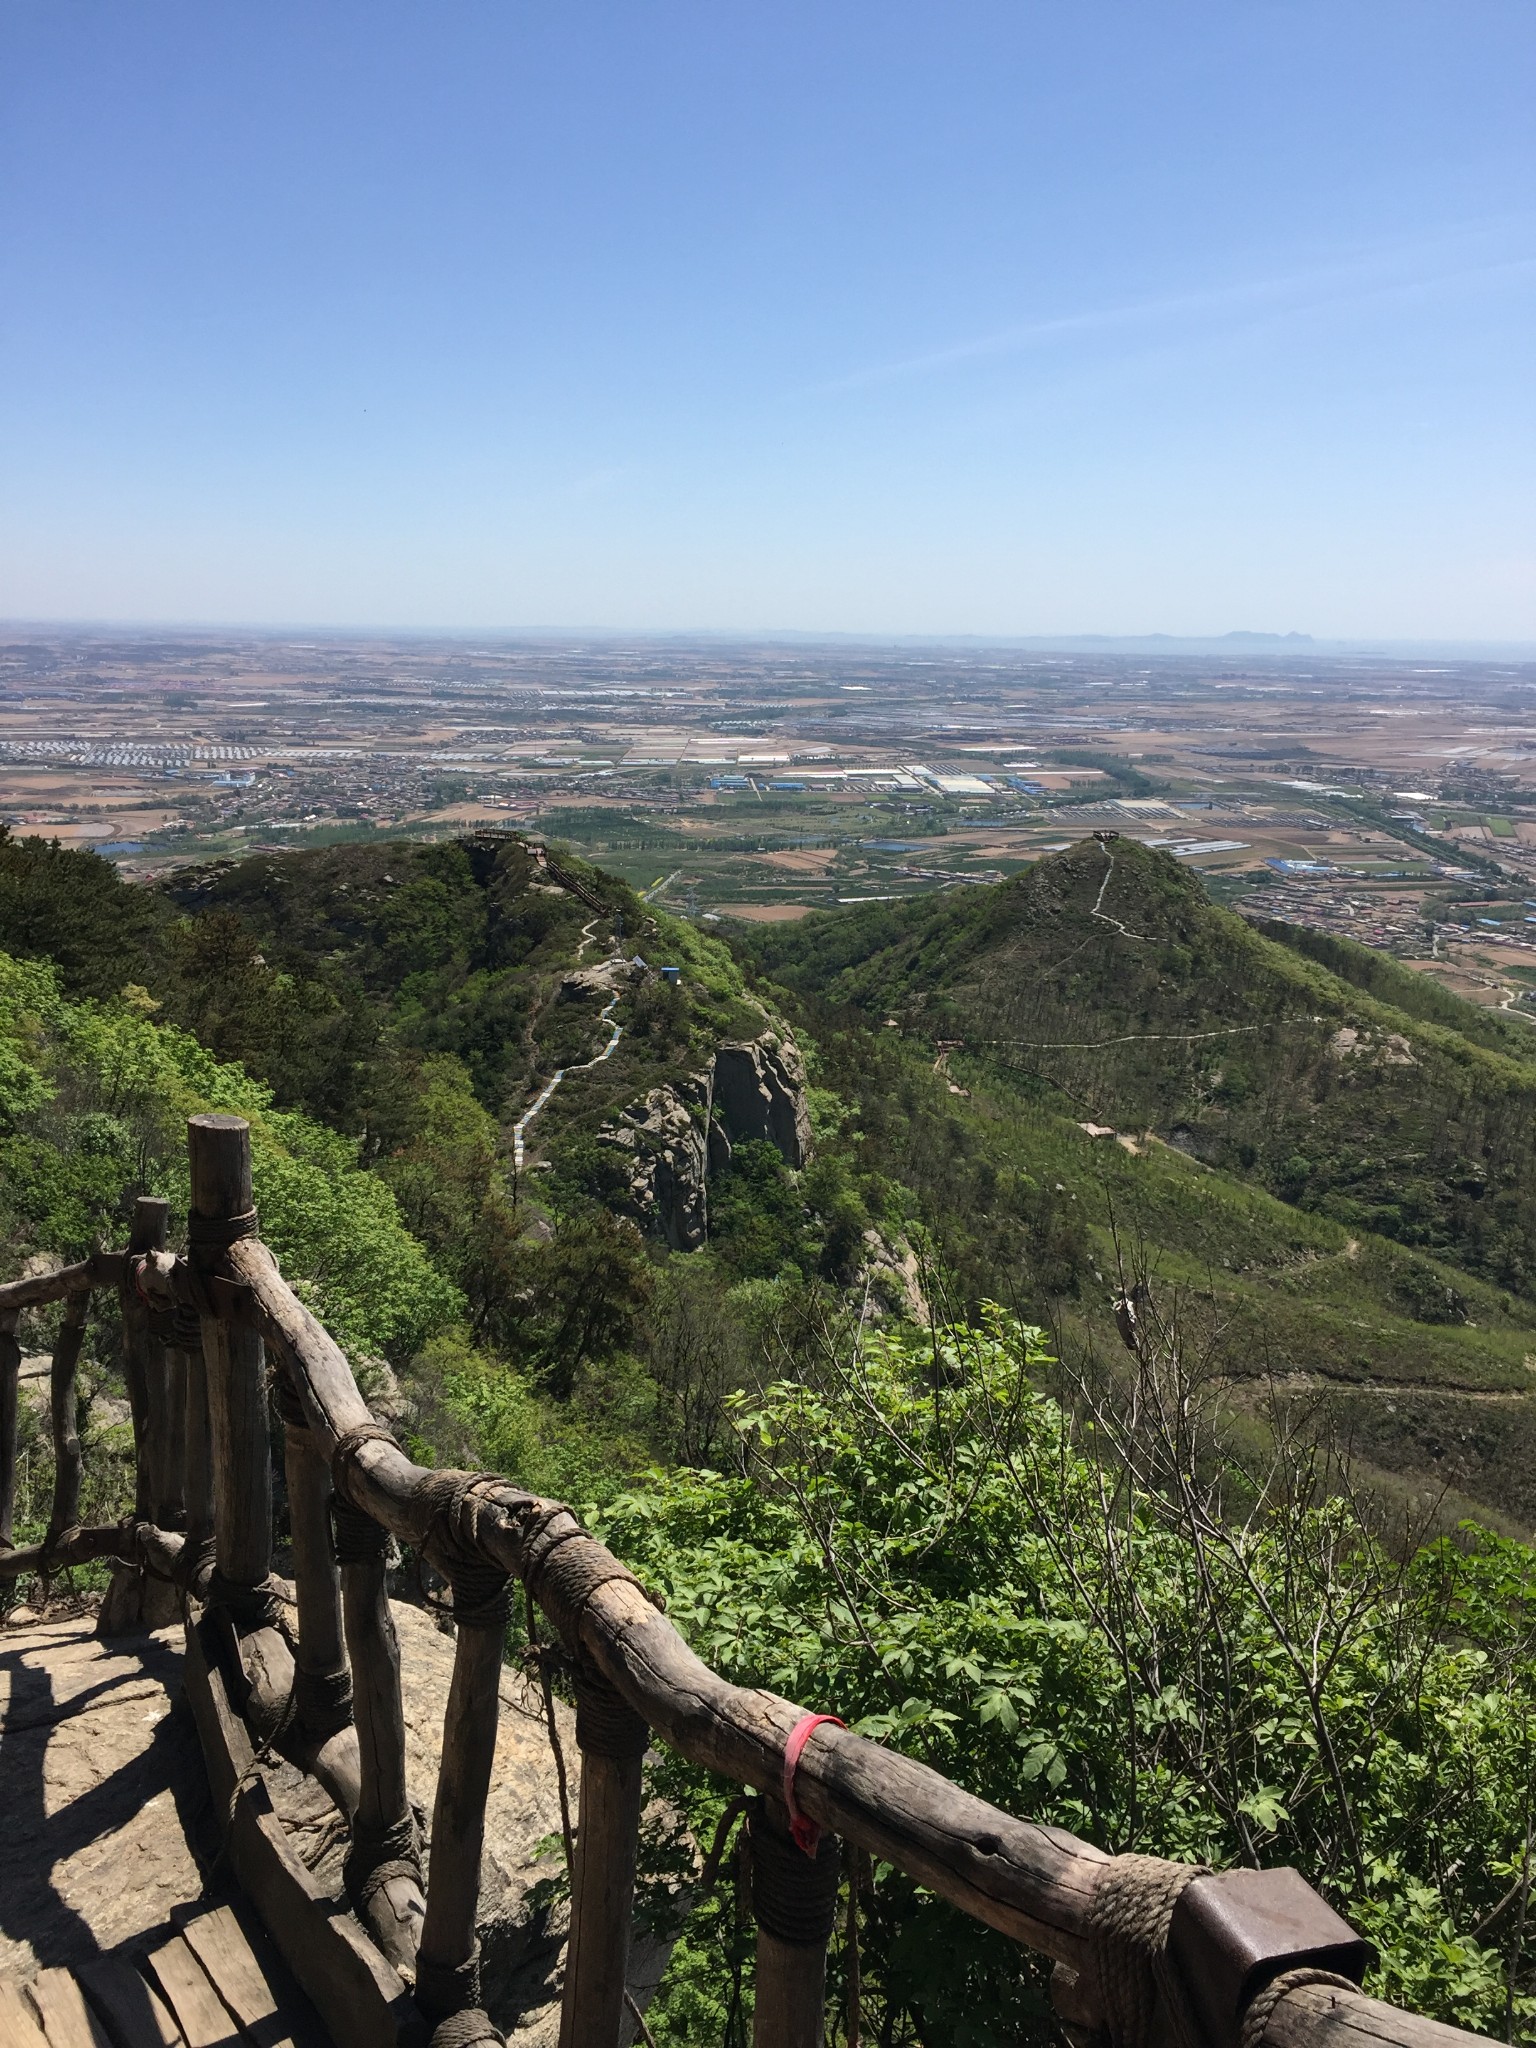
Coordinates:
(1246,640)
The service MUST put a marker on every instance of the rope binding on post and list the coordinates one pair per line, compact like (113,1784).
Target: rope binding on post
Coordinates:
(220,1232)
(1262,2006)
(248,1607)
(606,1724)
(795,1905)
(350,1442)
(359,1538)
(323,1700)
(173,1321)
(379,1854)
(449,1993)
(482,1591)
(467,2030)
(194,1566)
(574,1567)
(1128,1921)
(805,1831)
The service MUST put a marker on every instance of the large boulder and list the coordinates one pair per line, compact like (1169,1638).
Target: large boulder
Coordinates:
(664,1143)
(759,1089)
(591,984)
(681,1134)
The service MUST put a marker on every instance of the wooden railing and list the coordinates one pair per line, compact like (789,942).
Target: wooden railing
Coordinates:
(1144,1950)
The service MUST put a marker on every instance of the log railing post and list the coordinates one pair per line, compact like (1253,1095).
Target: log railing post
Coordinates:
(448,1959)
(144,1354)
(321,1681)
(10,1393)
(384,1868)
(171,1480)
(219,1149)
(612,1739)
(1036,1885)
(794,1902)
(197,1468)
(134,1599)
(61,1407)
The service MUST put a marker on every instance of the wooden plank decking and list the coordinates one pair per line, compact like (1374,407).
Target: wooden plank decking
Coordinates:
(109,1935)
(214,1981)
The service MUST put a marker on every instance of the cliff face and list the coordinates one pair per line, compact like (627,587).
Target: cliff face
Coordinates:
(666,1148)
(754,1089)
(759,1089)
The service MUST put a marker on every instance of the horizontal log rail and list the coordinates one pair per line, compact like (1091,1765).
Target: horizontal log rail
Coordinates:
(101,1269)
(1241,1959)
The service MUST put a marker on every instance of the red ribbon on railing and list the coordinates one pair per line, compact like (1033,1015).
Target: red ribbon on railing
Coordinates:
(806,1832)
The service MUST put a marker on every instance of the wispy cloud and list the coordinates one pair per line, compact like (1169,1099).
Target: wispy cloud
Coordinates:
(1384,270)
(595,483)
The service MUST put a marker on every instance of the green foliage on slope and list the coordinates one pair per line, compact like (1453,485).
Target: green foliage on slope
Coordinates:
(1106,977)
(914,1536)
(417,999)
(389,954)
(94,1099)
(64,904)
(1416,995)
(1429,1367)
(1088,1635)
(331,974)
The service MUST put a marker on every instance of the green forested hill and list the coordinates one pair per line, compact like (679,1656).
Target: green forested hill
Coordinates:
(93,1106)
(417,1001)
(1330,1171)
(1336,1190)
(358,982)
(331,974)
(1106,977)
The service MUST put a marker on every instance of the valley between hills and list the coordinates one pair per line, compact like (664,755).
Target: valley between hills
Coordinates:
(1085,1086)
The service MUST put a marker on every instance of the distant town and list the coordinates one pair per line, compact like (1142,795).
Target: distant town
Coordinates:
(1389,801)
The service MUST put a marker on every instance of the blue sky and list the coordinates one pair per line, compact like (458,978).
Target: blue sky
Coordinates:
(1026,317)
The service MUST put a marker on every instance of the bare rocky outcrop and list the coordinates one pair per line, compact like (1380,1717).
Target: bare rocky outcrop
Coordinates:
(894,1280)
(759,1089)
(666,1149)
(680,1135)
(1391,1048)
(588,984)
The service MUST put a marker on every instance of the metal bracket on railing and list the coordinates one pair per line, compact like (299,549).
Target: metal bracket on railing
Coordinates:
(1234,1932)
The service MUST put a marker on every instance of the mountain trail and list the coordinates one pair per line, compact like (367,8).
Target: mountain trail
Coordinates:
(557,1077)
(1130,1038)
(1103,916)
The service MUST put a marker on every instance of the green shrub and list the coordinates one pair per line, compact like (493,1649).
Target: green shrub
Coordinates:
(921,1543)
